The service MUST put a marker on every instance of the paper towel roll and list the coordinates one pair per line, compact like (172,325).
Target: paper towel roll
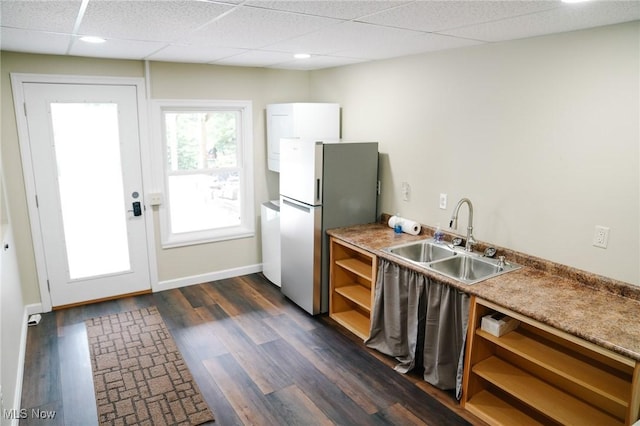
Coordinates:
(408,226)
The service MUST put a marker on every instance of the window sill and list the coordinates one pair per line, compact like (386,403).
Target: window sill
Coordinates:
(186,240)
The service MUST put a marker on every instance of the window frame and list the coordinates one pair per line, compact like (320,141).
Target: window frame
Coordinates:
(246,228)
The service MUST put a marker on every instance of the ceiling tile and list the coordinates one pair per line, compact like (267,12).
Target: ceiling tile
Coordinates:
(249,28)
(341,37)
(359,40)
(318,62)
(569,17)
(56,16)
(34,41)
(338,9)
(439,15)
(148,20)
(116,49)
(255,58)
(196,54)
(420,43)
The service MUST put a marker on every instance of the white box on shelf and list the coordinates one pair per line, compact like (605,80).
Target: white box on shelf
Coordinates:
(498,324)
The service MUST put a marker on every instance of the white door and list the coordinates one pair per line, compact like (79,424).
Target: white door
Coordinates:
(85,152)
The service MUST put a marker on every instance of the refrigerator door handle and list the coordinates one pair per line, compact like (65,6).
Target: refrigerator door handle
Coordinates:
(296,205)
(318,189)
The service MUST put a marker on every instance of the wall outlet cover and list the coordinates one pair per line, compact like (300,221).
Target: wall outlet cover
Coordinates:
(443,201)
(601,236)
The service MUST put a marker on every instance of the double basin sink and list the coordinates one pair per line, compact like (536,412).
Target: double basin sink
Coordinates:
(453,262)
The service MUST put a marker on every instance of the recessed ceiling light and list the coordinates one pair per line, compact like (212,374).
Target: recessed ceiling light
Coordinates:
(302,56)
(92,39)
(574,1)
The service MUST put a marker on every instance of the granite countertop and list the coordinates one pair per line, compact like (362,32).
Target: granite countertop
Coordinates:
(597,309)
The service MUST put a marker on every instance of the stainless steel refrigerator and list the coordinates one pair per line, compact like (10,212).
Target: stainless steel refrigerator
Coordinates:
(322,186)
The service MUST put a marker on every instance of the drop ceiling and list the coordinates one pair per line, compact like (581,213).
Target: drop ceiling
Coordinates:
(263,33)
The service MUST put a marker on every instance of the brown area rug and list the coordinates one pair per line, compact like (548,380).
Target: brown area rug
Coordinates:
(138,373)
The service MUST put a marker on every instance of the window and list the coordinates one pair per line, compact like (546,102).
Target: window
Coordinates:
(207,171)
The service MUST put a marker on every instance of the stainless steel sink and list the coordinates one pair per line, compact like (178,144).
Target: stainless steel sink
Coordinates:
(422,251)
(465,267)
(470,269)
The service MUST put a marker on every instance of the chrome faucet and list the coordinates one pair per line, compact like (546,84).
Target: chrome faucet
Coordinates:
(453,224)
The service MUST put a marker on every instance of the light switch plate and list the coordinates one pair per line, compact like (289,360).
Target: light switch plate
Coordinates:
(406,191)
(155,198)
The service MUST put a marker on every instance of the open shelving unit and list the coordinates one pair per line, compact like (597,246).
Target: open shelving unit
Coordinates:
(352,280)
(539,375)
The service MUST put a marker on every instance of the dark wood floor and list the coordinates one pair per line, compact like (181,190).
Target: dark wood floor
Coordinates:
(257,358)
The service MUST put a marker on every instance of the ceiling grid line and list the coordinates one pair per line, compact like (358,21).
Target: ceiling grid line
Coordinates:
(77,23)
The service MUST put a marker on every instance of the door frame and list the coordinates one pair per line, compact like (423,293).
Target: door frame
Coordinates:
(17,81)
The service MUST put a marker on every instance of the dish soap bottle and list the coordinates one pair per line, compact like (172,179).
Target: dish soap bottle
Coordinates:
(397,225)
(438,235)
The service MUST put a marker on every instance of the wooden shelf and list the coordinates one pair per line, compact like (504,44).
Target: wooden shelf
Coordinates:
(564,365)
(358,294)
(353,321)
(352,280)
(356,266)
(554,403)
(495,411)
(539,373)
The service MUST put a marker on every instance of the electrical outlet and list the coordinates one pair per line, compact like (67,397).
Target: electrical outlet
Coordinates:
(406,191)
(378,188)
(601,236)
(443,201)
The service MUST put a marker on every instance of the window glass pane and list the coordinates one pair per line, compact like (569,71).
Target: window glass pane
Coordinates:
(201,140)
(201,202)
(207,181)
(222,138)
(87,146)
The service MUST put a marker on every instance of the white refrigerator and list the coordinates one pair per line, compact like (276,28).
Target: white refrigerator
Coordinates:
(322,186)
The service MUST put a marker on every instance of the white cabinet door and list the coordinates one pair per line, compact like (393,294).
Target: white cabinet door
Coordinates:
(279,125)
(302,120)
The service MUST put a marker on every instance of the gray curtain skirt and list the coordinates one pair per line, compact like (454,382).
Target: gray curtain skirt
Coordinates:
(420,321)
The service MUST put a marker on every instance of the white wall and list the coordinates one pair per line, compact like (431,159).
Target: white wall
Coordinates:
(12,316)
(541,134)
(12,305)
(13,326)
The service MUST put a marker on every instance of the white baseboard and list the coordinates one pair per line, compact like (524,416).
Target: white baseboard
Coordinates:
(34,308)
(17,396)
(203,278)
